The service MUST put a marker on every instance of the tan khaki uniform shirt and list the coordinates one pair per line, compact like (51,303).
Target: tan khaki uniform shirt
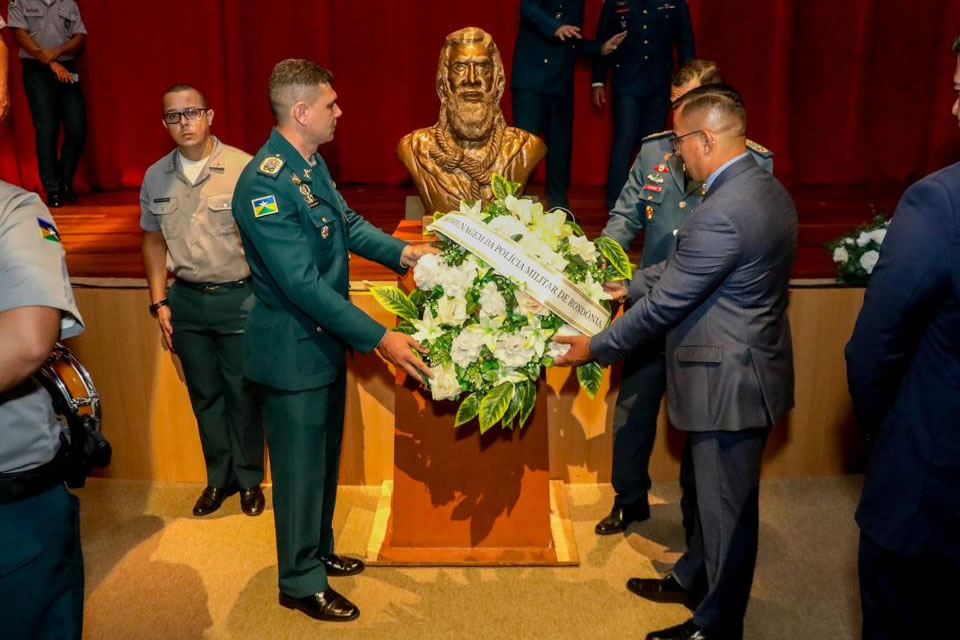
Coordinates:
(203,243)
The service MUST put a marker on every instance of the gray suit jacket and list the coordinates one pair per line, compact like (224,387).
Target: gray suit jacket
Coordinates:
(721,298)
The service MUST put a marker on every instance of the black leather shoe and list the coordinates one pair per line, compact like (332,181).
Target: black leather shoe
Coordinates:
(665,589)
(54,200)
(342,565)
(70,195)
(621,517)
(323,605)
(210,500)
(686,631)
(252,501)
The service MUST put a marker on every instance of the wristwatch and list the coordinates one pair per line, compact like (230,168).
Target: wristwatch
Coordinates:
(156,306)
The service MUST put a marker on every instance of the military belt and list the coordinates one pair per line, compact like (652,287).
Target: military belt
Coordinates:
(32,482)
(212,287)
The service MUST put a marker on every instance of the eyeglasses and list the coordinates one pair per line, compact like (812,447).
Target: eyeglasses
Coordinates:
(676,140)
(189,114)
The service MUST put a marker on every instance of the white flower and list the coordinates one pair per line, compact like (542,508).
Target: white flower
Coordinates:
(428,328)
(877,235)
(427,271)
(536,336)
(848,240)
(456,280)
(509,227)
(556,349)
(594,289)
(473,210)
(580,246)
(509,375)
(523,208)
(551,227)
(840,255)
(452,311)
(869,260)
(512,350)
(444,384)
(863,239)
(465,348)
(528,305)
(491,301)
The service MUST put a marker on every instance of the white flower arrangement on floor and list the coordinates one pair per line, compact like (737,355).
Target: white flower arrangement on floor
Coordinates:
(856,253)
(488,335)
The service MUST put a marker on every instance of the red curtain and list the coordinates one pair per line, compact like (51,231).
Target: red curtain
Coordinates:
(845,92)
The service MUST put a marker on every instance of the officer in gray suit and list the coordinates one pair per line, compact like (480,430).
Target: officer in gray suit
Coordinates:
(721,299)
(656,200)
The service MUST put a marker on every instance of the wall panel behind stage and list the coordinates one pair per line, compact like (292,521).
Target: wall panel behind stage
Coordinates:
(849,92)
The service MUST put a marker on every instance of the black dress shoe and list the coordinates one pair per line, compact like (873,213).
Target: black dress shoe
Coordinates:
(665,589)
(210,500)
(342,565)
(252,501)
(70,195)
(54,200)
(686,631)
(621,517)
(323,605)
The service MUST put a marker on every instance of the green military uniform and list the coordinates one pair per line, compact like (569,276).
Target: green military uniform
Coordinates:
(656,200)
(297,231)
(209,302)
(41,564)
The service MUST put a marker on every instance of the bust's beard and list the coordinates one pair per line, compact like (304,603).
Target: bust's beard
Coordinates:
(471,121)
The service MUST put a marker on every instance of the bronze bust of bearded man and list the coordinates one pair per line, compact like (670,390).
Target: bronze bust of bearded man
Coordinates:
(454,159)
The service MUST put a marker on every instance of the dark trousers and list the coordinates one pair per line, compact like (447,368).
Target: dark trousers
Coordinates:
(41,568)
(720,478)
(552,118)
(902,596)
(634,118)
(635,424)
(304,434)
(53,103)
(208,336)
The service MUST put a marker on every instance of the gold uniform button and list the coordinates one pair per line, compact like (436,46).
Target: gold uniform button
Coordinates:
(546,60)
(319,329)
(683,204)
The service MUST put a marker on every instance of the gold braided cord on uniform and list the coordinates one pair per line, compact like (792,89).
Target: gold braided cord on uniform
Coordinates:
(450,157)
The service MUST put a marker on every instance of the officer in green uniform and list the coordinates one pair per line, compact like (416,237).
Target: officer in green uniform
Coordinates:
(41,565)
(655,201)
(297,231)
(187,227)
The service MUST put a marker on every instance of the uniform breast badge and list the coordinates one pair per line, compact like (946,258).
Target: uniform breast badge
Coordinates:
(649,212)
(324,232)
(308,196)
(271,165)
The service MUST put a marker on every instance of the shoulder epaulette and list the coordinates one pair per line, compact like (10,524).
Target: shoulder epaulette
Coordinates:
(659,134)
(759,149)
(271,166)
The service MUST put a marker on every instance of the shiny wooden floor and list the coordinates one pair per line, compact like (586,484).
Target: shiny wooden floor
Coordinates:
(101,232)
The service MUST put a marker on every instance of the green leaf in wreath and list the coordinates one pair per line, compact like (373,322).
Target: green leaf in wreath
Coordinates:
(418,297)
(615,255)
(395,301)
(501,186)
(590,376)
(515,405)
(468,410)
(494,405)
(577,229)
(529,400)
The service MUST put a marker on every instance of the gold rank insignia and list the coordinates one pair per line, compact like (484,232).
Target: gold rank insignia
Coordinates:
(308,196)
(271,165)
(324,232)
(295,178)
(758,148)
(306,173)
(649,212)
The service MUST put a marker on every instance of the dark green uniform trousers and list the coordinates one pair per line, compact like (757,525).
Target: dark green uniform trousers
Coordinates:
(304,433)
(41,568)
(208,336)
(635,424)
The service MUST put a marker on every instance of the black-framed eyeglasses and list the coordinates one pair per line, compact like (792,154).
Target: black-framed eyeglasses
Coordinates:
(189,114)
(675,140)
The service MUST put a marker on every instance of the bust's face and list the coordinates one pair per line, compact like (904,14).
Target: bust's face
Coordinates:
(470,73)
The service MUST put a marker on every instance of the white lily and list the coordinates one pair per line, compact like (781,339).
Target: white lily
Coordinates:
(582,247)
(474,210)
(523,208)
(594,289)
(452,311)
(536,336)
(429,328)
(488,328)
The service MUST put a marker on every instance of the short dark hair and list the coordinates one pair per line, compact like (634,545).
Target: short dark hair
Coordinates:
(705,71)
(297,74)
(956,45)
(716,97)
(183,86)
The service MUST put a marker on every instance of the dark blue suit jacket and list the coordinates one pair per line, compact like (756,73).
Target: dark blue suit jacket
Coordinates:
(643,63)
(903,368)
(541,61)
